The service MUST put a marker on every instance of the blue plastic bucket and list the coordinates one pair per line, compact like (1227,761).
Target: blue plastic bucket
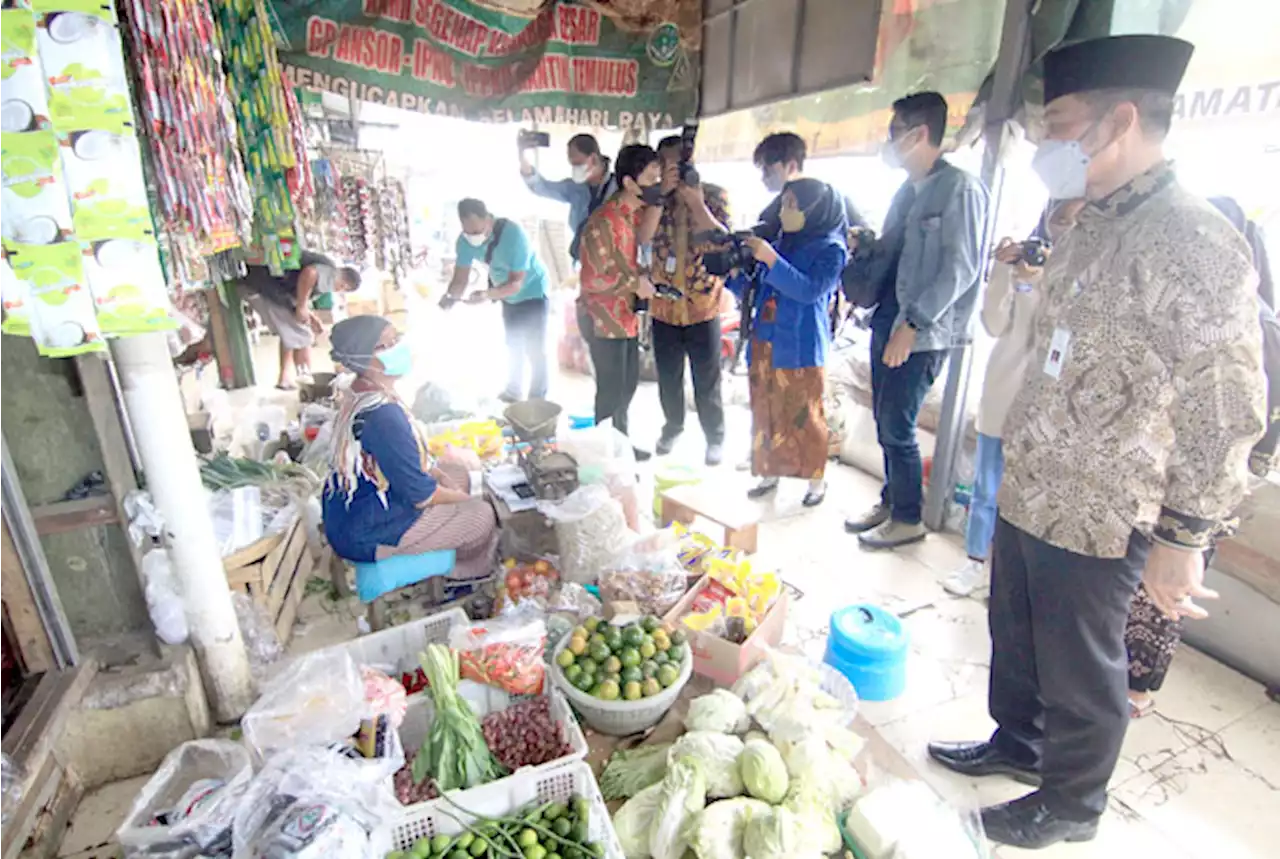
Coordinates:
(579,422)
(868,645)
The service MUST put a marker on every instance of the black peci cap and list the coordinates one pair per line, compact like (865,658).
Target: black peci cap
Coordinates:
(1116,62)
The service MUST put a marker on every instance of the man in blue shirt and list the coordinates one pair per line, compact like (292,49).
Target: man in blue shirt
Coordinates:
(590,184)
(518,279)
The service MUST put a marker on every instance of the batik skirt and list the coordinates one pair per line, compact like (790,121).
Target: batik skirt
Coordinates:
(789,425)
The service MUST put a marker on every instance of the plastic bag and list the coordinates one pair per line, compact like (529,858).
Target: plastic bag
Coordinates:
(310,803)
(164,599)
(648,572)
(11,777)
(316,701)
(382,695)
(572,598)
(237,517)
(907,820)
(506,652)
(606,457)
(259,634)
(188,807)
(590,531)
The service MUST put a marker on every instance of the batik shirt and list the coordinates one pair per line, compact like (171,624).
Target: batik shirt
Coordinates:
(1144,392)
(678,261)
(610,273)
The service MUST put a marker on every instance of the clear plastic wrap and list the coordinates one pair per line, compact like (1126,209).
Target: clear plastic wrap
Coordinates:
(11,777)
(590,530)
(188,807)
(312,803)
(606,457)
(506,652)
(572,598)
(164,599)
(908,820)
(648,572)
(315,701)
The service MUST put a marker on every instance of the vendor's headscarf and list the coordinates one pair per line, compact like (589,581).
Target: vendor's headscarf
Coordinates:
(355,340)
(824,211)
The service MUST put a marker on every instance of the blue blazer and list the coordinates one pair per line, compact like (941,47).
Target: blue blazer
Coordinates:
(802,282)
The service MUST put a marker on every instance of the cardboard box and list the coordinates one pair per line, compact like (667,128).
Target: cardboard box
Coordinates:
(723,661)
(622,608)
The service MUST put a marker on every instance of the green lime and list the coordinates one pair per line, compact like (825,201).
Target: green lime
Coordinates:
(580,632)
(535,851)
(613,637)
(553,855)
(565,658)
(553,811)
(588,665)
(562,826)
(527,838)
(661,657)
(661,640)
(577,646)
(631,657)
(650,687)
(667,675)
(438,846)
(632,674)
(647,649)
(612,665)
(580,828)
(596,639)
(464,841)
(459,853)
(607,691)
(678,636)
(584,681)
(479,847)
(397,854)
(571,672)
(677,653)
(650,623)
(631,690)
(591,623)
(649,668)
(612,678)
(633,636)
(600,652)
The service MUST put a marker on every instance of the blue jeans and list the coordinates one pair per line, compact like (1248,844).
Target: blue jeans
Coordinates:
(526,329)
(897,394)
(988,471)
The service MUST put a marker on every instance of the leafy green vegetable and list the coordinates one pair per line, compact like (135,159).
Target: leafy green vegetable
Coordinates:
(631,771)
(718,755)
(718,829)
(454,751)
(764,773)
(633,820)
(720,710)
(775,835)
(684,794)
(811,804)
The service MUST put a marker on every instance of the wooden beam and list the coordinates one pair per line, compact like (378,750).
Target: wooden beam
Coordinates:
(24,619)
(63,516)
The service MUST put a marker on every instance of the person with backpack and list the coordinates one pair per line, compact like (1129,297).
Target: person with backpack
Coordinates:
(285,305)
(518,279)
(1150,636)
(590,184)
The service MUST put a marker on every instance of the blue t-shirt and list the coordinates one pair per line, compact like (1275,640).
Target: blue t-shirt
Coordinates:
(355,530)
(513,254)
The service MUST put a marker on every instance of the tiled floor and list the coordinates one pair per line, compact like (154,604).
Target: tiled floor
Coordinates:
(1199,778)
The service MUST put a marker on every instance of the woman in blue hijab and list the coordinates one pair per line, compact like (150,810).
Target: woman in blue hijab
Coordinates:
(798,272)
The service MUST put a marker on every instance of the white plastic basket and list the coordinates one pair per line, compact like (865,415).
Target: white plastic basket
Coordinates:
(506,796)
(485,700)
(620,718)
(396,650)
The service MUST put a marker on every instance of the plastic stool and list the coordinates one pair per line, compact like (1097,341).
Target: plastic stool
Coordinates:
(379,578)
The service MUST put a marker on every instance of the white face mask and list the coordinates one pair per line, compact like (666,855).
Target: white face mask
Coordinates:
(774,181)
(581,172)
(1063,166)
(475,240)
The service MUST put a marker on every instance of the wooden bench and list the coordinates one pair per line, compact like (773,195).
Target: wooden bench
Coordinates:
(735,514)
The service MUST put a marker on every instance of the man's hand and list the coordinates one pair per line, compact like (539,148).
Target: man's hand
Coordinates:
(692,196)
(480,296)
(317,327)
(1174,577)
(645,289)
(762,250)
(670,178)
(898,349)
(447,301)
(1009,252)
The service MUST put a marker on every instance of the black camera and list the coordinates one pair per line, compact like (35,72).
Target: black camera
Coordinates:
(533,139)
(688,137)
(733,252)
(1034,252)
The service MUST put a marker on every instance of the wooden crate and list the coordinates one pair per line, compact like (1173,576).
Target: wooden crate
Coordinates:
(274,573)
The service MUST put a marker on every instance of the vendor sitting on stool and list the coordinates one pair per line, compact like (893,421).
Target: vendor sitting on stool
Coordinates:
(385,495)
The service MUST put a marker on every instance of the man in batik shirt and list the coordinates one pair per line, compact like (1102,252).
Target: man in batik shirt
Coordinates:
(612,281)
(687,328)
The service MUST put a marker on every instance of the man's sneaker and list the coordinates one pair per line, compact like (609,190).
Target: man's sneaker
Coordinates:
(666,444)
(969,578)
(641,455)
(892,534)
(715,454)
(875,516)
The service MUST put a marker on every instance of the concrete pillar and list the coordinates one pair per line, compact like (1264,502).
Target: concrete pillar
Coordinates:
(159,424)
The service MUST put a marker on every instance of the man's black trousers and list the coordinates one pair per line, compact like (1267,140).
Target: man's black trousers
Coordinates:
(700,345)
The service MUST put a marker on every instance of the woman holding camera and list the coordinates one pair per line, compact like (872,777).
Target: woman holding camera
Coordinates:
(790,336)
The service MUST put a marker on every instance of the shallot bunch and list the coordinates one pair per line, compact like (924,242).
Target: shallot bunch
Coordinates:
(524,734)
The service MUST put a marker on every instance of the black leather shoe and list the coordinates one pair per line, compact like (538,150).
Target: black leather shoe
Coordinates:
(981,759)
(666,444)
(1032,825)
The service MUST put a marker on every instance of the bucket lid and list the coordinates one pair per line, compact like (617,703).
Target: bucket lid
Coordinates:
(675,474)
(868,632)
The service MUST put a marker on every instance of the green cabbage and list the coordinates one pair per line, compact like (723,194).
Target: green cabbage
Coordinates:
(775,835)
(632,821)
(717,754)
(811,804)
(720,710)
(717,830)
(682,795)
(764,773)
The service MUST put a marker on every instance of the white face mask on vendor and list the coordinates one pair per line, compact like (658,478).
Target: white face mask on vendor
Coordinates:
(476,240)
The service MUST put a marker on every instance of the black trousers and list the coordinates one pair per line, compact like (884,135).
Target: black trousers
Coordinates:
(1059,672)
(700,345)
(617,369)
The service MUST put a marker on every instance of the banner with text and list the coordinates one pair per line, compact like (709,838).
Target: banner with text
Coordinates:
(604,63)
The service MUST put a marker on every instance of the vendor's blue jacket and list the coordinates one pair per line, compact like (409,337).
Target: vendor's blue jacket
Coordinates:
(802,282)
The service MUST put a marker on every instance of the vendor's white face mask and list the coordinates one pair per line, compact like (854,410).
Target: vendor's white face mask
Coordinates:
(474,239)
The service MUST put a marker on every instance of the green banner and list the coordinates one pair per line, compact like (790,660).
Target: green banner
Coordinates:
(602,63)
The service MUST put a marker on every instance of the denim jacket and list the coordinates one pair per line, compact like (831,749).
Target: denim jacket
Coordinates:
(940,227)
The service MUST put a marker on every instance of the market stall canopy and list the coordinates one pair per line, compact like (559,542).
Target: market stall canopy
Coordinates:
(629,64)
(944,45)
